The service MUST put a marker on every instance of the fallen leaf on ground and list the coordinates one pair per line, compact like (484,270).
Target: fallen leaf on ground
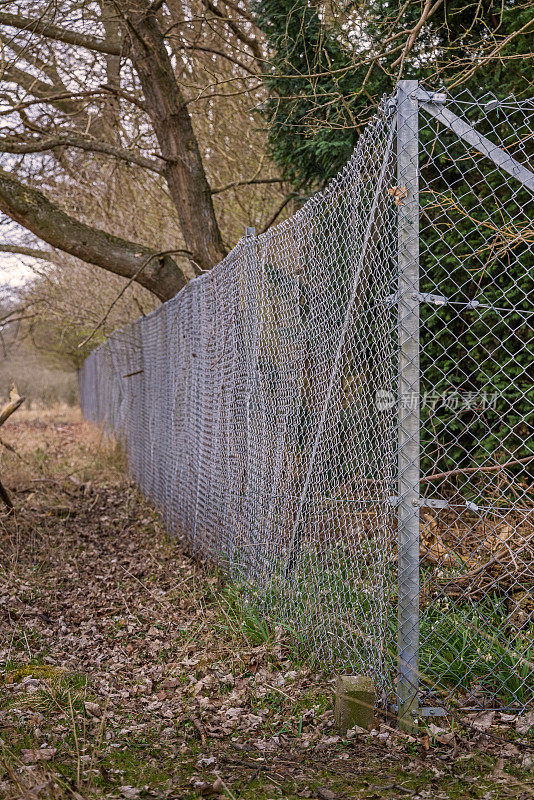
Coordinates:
(93,709)
(441,735)
(483,720)
(130,792)
(352,732)
(425,742)
(498,772)
(525,722)
(38,754)
(325,794)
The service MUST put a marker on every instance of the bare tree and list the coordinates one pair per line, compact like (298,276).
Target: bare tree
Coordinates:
(118,128)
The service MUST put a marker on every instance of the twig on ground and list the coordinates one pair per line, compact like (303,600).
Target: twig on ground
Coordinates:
(4,495)
(98,743)
(225,786)
(75,733)
(199,727)
(15,401)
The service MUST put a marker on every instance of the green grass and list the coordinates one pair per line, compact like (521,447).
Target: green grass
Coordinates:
(465,645)
(61,692)
(238,618)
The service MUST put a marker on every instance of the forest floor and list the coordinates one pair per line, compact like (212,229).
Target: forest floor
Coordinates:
(128,671)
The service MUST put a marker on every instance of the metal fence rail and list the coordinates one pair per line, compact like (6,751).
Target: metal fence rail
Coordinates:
(339,412)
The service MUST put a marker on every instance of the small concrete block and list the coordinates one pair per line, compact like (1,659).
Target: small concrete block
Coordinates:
(355,702)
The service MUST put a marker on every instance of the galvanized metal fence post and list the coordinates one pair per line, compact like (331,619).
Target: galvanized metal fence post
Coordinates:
(407,198)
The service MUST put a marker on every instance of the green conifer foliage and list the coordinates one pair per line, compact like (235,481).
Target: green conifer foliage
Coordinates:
(324,83)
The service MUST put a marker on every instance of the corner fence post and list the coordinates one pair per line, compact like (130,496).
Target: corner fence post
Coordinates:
(407,198)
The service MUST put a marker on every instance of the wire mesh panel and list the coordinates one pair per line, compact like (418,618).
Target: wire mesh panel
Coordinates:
(476,402)
(340,413)
(246,407)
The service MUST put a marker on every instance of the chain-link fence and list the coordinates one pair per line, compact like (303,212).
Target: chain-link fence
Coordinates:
(339,412)
(476,409)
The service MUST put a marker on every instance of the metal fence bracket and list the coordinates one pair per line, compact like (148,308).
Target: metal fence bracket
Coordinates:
(432,299)
(438,98)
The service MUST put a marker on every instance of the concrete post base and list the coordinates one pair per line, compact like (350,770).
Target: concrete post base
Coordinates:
(355,702)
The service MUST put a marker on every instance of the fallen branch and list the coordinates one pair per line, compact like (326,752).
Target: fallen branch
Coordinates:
(469,470)
(15,401)
(10,447)
(4,495)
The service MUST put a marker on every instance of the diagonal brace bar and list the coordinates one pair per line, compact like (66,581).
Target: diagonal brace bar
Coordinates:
(465,131)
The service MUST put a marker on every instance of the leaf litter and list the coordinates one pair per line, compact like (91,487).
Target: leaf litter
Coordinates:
(127,672)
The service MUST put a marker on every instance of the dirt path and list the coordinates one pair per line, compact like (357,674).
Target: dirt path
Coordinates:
(128,670)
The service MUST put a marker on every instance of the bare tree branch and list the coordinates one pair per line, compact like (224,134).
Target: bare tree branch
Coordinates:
(247,40)
(127,286)
(125,96)
(184,170)
(438,476)
(79,142)
(221,54)
(241,11)
(427,12)
(58,97)
(20,318)
(48,68)
(253,182)
(464,76)
(51,31)
(32,252)
(278,211)
(35,212)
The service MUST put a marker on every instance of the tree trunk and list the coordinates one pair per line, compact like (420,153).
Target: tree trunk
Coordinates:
(184,170)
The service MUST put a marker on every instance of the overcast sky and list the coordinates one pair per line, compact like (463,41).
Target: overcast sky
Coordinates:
(13,273)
